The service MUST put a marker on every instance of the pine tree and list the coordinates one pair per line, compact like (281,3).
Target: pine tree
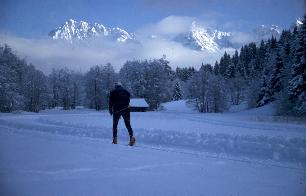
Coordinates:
(264,95)
(285,48)
(216,68)
(276,82)
(297,85)
(230,72)
(184,73)
(225,62)
(177,92)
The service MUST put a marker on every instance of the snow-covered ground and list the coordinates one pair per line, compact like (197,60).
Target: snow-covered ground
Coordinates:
(178,152)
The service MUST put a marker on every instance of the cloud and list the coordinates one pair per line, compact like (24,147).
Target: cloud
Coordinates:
(241,38)
(178,55)
(171,25)
(46,53)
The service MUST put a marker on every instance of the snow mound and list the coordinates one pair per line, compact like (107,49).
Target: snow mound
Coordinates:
(178,106)
(266,110)
(238,108)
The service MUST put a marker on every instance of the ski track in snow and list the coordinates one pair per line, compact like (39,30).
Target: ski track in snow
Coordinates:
(268,142)
(86,170)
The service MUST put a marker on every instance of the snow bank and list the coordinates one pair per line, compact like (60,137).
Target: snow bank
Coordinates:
(178,106)
(238,108)
(260,147)
(266,110)
(196,132)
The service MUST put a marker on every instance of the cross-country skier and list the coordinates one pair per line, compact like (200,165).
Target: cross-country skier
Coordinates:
(119,101)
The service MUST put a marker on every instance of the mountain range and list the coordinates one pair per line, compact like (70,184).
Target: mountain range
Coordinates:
(196,38)
(73,31)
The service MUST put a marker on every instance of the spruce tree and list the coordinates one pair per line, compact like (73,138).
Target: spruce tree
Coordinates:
(264,95)
(177,93)
(276,83)
(216,68)
(297,84)
(225,62)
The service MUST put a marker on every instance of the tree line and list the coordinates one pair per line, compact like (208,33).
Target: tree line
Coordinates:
(272,71)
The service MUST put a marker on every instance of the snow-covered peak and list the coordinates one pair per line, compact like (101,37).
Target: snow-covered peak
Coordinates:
(209,39)
(121,35)
(298,22)
(275,28)
(221,34)
(73,30)
(197,37)
(203,38)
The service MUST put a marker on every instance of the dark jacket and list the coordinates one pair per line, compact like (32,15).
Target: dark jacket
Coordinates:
(119,99)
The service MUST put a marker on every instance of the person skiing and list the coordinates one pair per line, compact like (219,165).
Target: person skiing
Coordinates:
(119,101)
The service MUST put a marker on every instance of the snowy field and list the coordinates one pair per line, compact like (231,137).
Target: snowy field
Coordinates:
(178,152)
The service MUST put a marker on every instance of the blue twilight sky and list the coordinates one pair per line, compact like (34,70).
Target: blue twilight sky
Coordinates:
(35,18)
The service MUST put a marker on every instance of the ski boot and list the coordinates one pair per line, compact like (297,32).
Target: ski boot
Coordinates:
(132,141)
(115,140)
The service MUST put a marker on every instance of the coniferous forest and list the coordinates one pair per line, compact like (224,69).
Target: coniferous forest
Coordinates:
(257,74)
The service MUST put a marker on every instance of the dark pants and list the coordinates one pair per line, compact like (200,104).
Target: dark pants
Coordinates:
(126,117)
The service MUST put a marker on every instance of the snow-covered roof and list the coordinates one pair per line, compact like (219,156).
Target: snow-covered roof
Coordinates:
(138,102)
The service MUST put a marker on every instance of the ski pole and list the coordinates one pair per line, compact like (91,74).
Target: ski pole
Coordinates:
(122,110)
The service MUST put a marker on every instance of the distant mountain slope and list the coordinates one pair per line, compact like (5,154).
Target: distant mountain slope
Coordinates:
(196,38)
(200,38)
(73,30)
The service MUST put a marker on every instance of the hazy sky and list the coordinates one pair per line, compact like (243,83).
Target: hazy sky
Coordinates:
(25,24)
(35,18)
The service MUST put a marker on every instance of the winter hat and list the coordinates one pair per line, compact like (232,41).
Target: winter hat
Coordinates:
(117,84)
